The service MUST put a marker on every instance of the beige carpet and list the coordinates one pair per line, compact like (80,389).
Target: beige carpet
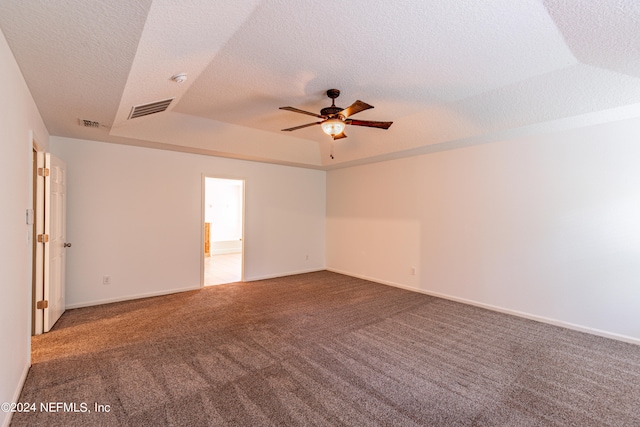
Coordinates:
(323,349)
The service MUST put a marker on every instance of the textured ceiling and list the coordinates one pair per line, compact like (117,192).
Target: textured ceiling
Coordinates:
(447,74)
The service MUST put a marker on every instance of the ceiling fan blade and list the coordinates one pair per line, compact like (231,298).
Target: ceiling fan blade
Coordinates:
(354,108)
(297,110)
(369,123)
(339,136)
(302,126)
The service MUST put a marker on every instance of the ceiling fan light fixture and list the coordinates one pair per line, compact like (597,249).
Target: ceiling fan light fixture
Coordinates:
(333,126)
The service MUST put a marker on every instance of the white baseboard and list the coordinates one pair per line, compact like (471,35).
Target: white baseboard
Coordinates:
(129,297)
(537,318)
(16,394)
(290,273)
(224,251)
(174,291)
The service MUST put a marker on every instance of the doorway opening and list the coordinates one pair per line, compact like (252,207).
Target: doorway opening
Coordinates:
(223,231)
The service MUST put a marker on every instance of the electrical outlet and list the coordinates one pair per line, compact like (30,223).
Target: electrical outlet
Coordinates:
(106,280)
(413,271)
(307,258)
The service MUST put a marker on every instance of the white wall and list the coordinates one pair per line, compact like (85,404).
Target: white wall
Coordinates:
(135,214)
(546,226)
(18,117)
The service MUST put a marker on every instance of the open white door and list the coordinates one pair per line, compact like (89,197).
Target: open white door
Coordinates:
(54,239)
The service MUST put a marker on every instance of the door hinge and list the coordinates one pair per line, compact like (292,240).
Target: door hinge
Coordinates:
(43,171)
(43,238)
(40,305)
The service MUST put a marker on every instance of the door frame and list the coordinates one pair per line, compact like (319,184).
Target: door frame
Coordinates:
(203,188)
(37,261)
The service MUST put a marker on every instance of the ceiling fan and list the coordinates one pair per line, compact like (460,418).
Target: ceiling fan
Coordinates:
(336,118)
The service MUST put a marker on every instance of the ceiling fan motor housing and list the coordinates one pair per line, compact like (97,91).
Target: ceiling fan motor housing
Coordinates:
(330,111)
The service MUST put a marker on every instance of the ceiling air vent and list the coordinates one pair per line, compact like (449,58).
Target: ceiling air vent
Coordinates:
(89,123)
(151,108)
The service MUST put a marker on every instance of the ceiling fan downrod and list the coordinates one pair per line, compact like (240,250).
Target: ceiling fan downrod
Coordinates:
(332,110)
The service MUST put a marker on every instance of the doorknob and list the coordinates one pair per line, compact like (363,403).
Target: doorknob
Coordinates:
(67,245)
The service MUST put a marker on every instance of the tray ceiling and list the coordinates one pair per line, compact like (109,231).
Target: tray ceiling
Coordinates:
(447,74)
